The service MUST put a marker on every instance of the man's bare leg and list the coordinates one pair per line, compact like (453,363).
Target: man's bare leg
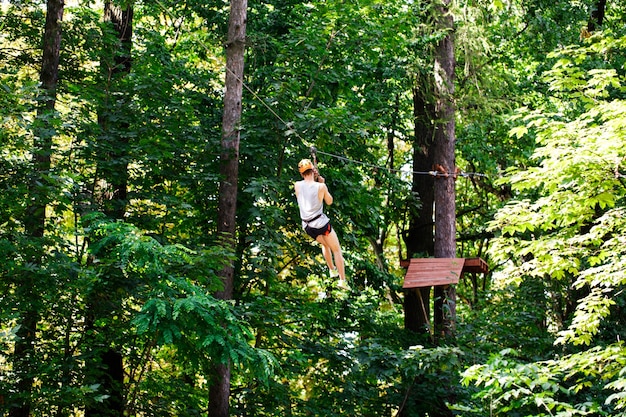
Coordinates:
(330,243)
(328,255)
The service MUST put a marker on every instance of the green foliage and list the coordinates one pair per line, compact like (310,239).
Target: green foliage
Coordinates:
(572,385)
(340,76)
(563,229)
(337,358)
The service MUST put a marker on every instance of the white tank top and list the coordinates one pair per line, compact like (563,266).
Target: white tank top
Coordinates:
(310,204)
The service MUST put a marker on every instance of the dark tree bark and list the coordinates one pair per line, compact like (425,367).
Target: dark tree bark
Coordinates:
(108,364)
(434,150)
(114,141)
(444,160)
(219,391)
(596,18)
(35,216)
(419,239)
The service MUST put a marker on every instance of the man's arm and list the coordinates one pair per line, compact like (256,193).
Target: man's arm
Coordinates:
(325,194)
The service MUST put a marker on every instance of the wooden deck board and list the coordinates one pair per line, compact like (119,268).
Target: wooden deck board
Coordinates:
(426,272)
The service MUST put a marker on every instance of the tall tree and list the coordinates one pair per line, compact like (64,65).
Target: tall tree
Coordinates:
(112,169)
(112,116)
(219,392)
(35,217)
(433,149)
(419,238)
(444,160)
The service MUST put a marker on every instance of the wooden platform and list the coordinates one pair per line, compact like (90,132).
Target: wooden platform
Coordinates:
(427,272)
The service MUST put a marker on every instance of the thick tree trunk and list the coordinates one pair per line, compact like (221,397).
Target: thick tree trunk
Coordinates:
(219,391)
(419,239)
(444,160)
(35,219)
(108,361)
(434,151)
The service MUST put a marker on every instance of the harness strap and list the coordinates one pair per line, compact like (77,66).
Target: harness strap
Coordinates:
(312,218)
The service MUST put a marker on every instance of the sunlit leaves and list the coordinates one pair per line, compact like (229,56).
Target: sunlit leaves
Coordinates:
(548,387)
(567,226)
(574,179)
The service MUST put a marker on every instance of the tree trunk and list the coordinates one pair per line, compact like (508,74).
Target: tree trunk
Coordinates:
(444,160)
(434,151)
(419,239)
(108,361)
(219,391)
(35,219)
(597,15)
(114,141)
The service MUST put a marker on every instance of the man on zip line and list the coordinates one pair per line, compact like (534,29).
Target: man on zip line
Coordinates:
(311,194)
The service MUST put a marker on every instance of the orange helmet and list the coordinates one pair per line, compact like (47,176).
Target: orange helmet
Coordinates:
(305,165)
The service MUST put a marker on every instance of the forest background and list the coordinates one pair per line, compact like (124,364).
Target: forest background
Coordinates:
(112,258)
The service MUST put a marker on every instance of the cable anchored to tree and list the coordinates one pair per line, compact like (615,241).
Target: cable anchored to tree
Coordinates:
(402,171)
